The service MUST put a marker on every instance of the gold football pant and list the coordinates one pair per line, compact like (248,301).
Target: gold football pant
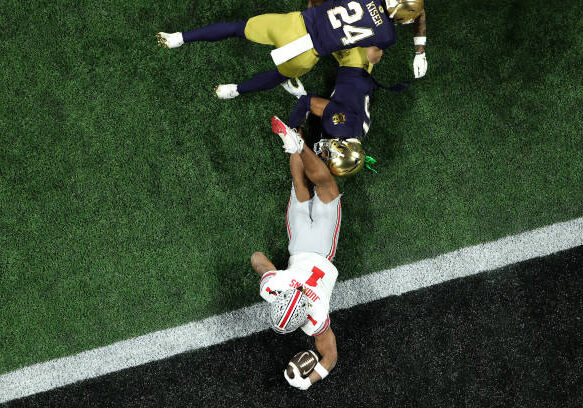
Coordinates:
(353,57)
(279,30)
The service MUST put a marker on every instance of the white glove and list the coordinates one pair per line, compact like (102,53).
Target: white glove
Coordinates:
(298,382)
(297,91)
(420,65)
(173,40)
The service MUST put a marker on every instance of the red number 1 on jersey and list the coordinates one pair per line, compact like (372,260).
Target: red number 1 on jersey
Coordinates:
(317,273)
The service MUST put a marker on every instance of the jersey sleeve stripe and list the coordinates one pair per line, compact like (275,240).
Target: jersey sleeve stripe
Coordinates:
(335,240)
(324,327)
(264,279)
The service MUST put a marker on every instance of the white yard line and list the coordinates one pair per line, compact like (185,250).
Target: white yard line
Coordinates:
(217,329)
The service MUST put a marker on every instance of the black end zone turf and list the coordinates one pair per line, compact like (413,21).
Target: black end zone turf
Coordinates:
(506,338)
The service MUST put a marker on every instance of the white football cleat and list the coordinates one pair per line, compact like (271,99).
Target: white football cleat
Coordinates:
(292,141)
(173,40)
(228,91)
(296,90)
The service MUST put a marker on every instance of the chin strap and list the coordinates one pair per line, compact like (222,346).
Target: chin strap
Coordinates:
(370,161)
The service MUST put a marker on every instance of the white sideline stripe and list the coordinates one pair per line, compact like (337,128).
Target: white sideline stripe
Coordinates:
(243,322)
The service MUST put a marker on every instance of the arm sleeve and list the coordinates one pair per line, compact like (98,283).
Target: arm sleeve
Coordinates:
(300,112)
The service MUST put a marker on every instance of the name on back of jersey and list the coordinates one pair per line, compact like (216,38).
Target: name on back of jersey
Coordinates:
(374,13)
(307,291)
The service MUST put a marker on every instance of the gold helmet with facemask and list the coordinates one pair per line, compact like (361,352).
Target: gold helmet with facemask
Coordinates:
(404,11)
(343,157)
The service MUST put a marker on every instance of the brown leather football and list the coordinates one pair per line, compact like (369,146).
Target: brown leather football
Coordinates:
(304,361)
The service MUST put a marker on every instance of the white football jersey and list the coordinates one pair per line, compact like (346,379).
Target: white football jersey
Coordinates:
(316,275)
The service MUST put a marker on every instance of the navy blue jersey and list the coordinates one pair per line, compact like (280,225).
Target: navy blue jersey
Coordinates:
(347,115)
(342,24)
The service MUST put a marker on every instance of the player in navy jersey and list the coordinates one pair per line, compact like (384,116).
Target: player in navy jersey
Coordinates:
(302,38)
(345,115)
(341,24)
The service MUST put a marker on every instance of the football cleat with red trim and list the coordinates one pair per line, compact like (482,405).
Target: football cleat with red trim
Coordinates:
(292,141)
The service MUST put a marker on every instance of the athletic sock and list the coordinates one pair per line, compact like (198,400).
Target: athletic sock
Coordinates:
(216,32)
(262,81)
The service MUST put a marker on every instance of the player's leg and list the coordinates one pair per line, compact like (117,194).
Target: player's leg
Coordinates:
(279,30)
(314,168)
(210,33)
(301,183)
(275,29)
(262,29)
(326,222)
(270,29)
(319,174)
(216,32)
(262,81)
(298,221)
(326,212)
(326,207)
(259,29)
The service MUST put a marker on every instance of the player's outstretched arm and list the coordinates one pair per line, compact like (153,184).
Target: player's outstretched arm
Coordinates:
(306,103)
(319,174)
(261,263)
(420,61)
(326,346)
(317,105)
(420,30)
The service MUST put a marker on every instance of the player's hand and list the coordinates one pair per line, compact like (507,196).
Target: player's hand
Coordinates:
(173,40)
(297,91)
(419,65)
(298,382)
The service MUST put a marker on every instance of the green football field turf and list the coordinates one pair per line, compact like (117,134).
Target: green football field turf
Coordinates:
(131,198)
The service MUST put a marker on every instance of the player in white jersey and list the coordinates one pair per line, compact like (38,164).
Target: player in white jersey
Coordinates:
(299,296)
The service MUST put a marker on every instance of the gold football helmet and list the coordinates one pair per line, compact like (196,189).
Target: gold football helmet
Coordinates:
(343,157)
(404,11)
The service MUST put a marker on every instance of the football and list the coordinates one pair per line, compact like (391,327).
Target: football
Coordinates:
(304,361)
